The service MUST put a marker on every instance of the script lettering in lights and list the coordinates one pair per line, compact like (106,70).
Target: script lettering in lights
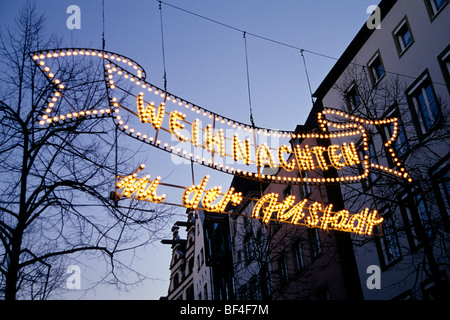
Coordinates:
(132,187)
(267,208)
(318,216)
(192,196)
(241,152)
(149,112)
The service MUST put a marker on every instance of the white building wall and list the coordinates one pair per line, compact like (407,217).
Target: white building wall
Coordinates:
(430,40)
(202,277)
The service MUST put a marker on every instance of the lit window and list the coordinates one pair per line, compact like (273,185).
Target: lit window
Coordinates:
(403,37)
(435,6)
(376,69)
(425,104)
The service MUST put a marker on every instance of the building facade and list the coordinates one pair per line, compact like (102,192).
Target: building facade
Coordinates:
(310,263)
(250,245)
(400,70)
(201,265)
(396,69)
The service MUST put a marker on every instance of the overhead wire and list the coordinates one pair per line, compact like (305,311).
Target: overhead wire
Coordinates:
(288,45)
(162,46)
(248,81)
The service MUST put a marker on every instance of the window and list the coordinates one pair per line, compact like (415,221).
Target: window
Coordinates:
(374,175)
(249,248)
(254,289)
(190,292)
(403,37)
(408,220)
(205,292)
(416,217)
(176,281)
(444,61)
(315,248)
(191,265)
(390,248)
(441,185)
(423,214)
(401,143)
(444,188)
(376,69)
(287,192)
(352,97)
(305,188)
(282,269)
(434,7)
(297,253)
(424,104)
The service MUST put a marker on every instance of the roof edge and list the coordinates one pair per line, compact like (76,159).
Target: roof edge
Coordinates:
(351,51)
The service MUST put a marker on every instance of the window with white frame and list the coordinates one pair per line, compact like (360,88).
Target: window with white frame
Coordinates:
(425,104)
(403,37)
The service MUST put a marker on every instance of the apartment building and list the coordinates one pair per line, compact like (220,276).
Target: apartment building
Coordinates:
(201,266)
(399,70)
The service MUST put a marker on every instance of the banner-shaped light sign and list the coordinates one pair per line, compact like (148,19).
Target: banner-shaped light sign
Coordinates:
(170,123)
(156,117)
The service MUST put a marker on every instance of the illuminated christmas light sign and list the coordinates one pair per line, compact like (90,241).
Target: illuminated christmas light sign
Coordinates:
(156,117)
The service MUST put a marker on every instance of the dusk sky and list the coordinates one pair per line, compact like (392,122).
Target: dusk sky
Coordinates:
(205,64)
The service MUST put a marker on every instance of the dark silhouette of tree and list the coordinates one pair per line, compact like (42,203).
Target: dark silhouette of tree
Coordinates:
(56,179)
(416,219)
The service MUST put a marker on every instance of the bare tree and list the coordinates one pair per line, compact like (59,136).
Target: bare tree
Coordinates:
(416,225)
(281,261)
(56,179)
